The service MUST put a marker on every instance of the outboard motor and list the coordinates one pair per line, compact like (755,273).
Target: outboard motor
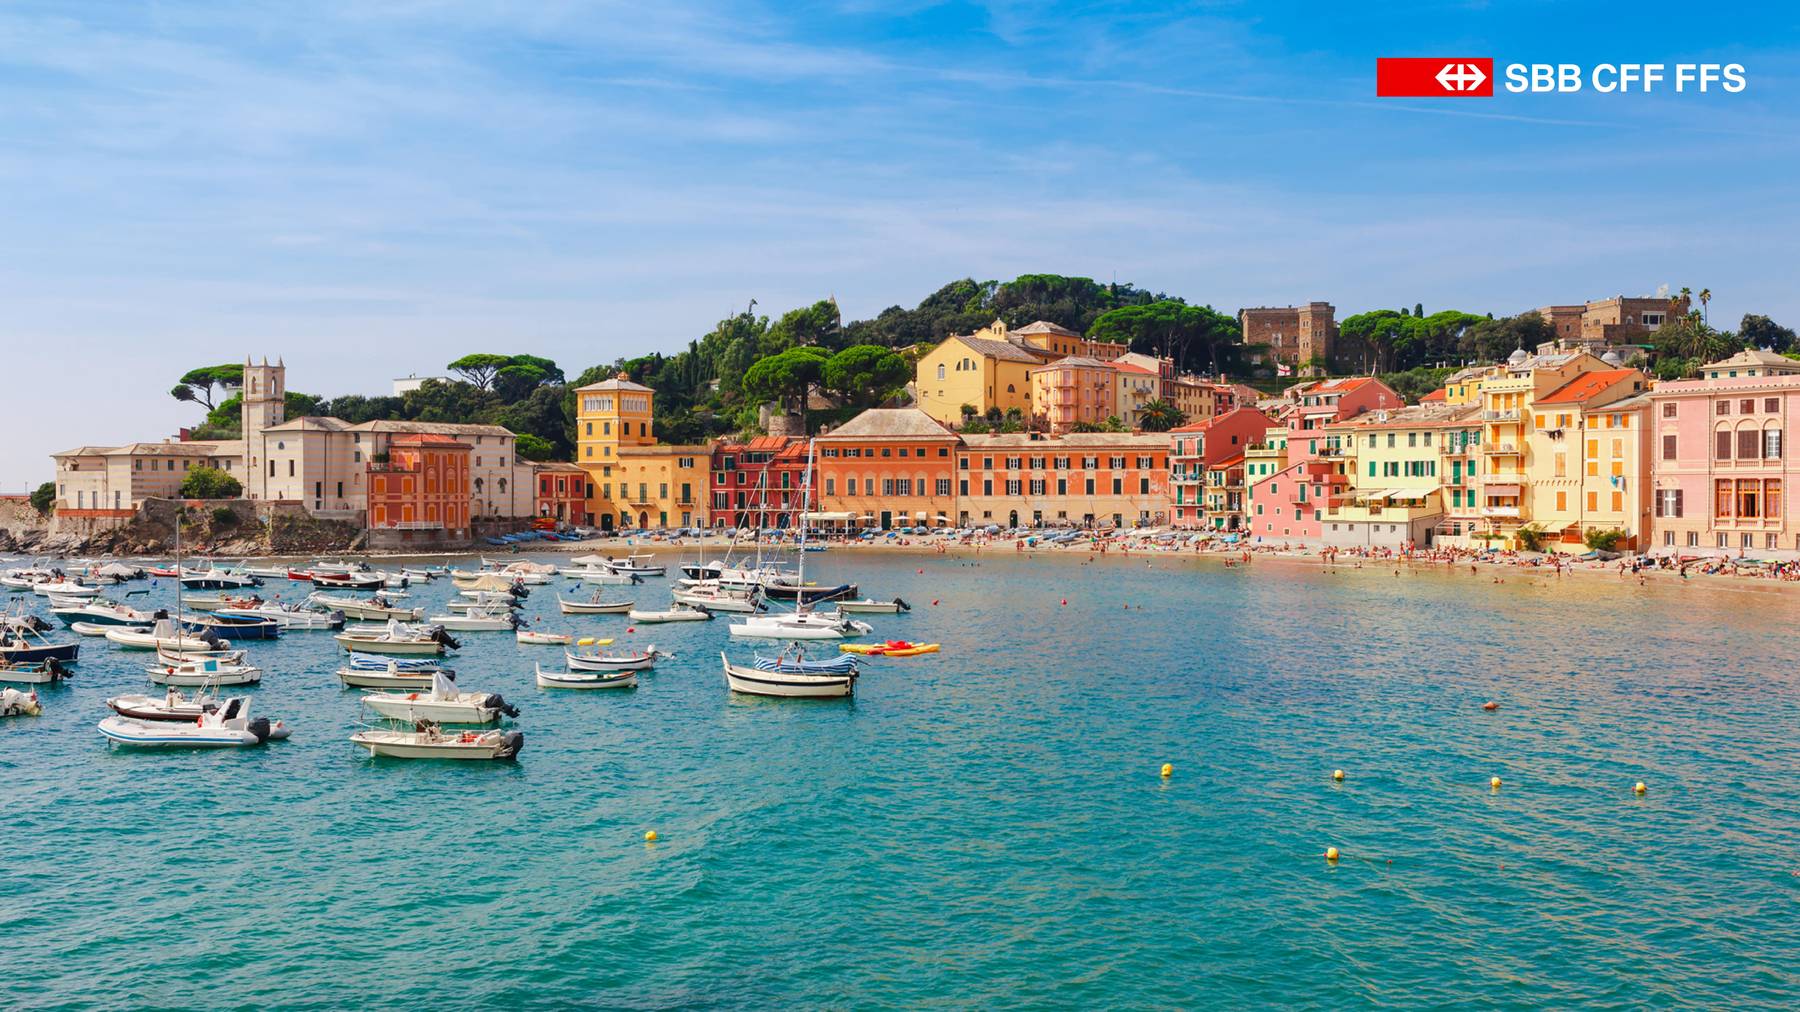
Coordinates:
(900,603)
(512,742)
(493,701)
(443,636)
(260,727)
(211,639)
(54,669)
(521,591)
(160,613)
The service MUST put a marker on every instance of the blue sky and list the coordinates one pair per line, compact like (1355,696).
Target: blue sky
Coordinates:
(370,193)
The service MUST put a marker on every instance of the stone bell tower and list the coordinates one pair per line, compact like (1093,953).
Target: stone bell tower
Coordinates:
(265,405)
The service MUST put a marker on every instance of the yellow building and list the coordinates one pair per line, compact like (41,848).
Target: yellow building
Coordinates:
(1508,398)
(1464,387)
(636,482)
(1398,484)
(1588,460)
(983,370)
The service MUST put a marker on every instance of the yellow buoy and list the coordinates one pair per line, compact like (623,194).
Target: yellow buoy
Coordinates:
(1168,769)
(1337,774)
(1331,854)
(1639,788)
(650,837)
(1494,783)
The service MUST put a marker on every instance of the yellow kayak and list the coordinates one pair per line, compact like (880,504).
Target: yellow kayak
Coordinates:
(898,648)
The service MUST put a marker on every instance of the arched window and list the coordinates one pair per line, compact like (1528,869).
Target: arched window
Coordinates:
(1010,390)
(502,486)
(478,483)
(940,370)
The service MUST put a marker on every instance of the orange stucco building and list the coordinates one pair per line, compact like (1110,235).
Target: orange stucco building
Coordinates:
(423,486)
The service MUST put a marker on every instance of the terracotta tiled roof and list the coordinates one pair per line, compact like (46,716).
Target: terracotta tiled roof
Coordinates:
(619,382)
(1586,385)
(1216,419)
(1433,397)
(1046,327)
(440,428)
(311,423)
(1005,351)
(891,423)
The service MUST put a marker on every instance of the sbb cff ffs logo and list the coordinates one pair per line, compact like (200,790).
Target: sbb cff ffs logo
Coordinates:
(1434,77)
(1473,77)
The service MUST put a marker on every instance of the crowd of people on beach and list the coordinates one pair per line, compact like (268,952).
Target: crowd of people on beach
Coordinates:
(1238,552)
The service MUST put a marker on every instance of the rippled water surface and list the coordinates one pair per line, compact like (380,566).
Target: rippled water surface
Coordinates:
(982,827)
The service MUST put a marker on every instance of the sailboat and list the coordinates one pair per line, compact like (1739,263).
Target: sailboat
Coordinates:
(802,622)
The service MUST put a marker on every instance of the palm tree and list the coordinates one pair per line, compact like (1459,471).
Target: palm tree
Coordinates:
(1705,297)
(1159,416)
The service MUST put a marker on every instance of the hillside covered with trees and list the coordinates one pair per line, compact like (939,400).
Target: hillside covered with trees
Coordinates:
(809,359)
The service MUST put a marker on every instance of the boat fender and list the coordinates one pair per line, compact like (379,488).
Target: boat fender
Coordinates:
(495,702)
(260,728)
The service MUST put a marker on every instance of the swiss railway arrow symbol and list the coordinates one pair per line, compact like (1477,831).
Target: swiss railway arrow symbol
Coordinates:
(1460,77)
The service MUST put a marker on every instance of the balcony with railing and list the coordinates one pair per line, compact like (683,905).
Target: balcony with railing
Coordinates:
(1507,415)
(1501,449)
(1500,511)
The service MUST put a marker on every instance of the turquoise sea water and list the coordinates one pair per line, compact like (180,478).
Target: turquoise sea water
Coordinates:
(984,827)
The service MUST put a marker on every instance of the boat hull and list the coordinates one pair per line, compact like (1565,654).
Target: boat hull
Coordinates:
(354,679)
(607,608)
(782,685)
(405,745)
(34,655)
(159,734)
(586,680)
(807,595)
(578,662)
(406,648)
(443,711)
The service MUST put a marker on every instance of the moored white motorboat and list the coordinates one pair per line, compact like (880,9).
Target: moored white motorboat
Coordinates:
(70,589)
(428,741)
(90,629)
(33,673)
(227,727)
(396,638)
(218,579)
(712,597)
(635,565)
(161,635)
(586,679)
(872,607)
(534,637)
(785,684)
(498,598)
(349,581)
(102,612)
(200,671)
(606,577)
(442,703)
(19,703)
(678,613)
(622,662)
(290,617)
(171,706)
(798,626)
(594,607)
(266,572)
(377,608)
(479,620)
(371,671)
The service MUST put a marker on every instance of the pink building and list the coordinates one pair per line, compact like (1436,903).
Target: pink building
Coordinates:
(1196,449)
(1289,501)
(1721,473)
